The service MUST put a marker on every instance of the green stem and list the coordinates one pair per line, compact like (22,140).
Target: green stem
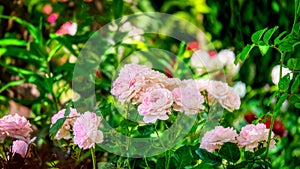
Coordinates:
(93,157)
(275,112)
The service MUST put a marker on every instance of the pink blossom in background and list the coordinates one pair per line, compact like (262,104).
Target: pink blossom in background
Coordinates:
(214,139)
(133,82)
(193,45)
(20,147)
(47,9)
(156,105)
(15,126)
(86,132)
(251,135)
(52,18)
(188,98)
(68,28)
(64,131)
(88,0)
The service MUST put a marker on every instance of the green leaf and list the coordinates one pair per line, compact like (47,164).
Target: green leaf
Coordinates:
(208,157)
(263,49)
(260,151)
(146,130)
(288,45)
(294,98)
(67,112)
(160,163)
(295,84)
(230,152)
(118,8)
(54,51)
(241,164)
(297,105)
(249,155)
(269,33)
(10,84)
(13,42)
(284,82)
(294,64)
(282,98)
(182,157)
(244,54)
(56,126)
(33,30)
(277,39)
(257,35)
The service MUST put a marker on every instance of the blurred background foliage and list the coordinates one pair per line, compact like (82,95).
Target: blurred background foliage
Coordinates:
(36,65)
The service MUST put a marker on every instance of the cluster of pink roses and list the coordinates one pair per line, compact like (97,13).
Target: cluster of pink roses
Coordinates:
(69,28)
(156,94)
(250,137)
(17,127)
(84,127)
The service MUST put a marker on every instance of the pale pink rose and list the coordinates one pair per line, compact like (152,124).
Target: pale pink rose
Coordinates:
(203,62)
(133,82)
(188,98)
(47,9)
(20,147)
(227,57)
(276,73)
(15,126)
(218,89)
(251,135)
(68,28)
(172,83)
(214,139)
(64,131)
(52,18)
(202,84)
(156,105)
(86,132)
(231,101)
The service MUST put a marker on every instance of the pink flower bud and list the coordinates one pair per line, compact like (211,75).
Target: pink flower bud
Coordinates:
(52,18)
(47,9)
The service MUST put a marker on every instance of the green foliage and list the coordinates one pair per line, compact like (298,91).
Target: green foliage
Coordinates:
(209,157)
(230,152)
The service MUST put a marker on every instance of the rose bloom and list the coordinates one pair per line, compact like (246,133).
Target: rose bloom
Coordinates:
(227,57)
(133,82)
(231,101)
(67,28)
(276,73)
(214,139)
(47,9)
(20,147)
(86,132)
(64,131)
(188,98)
(156,105)
(251,135)
(217,89)
(15,126)
(203,62)
(240,88)
(172,83)
(52,18)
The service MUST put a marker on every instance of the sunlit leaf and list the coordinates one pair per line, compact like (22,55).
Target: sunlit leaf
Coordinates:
(257,35)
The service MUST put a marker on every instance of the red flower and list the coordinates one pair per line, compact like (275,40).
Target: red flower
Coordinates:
(278,127)
(193,45)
